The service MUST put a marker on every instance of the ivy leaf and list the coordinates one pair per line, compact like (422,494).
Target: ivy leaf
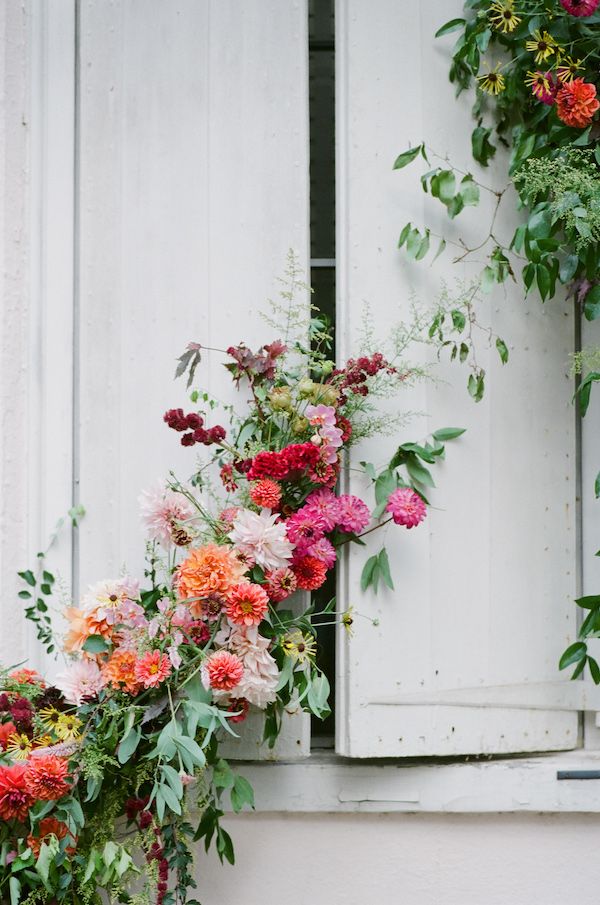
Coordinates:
(483,150)
(502,350)
(407,157)
(469,191)
(476,386)
(448,27)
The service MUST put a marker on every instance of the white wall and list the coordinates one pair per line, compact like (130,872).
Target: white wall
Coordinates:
(408,859)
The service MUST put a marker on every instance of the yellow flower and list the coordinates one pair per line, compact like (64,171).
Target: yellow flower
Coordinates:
(543,45)
(492,82)
(50,717)
(19,745)
(503,16)
(67,728)
(348,621)
(567,69)
(299,647)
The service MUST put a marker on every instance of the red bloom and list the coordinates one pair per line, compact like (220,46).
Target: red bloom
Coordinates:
(227,478)
(580,8)
(50,826)
(267,465)
(6,730)
(345,427)
(238,706)
(300,457)
(576,103)
(15,793)
(47,777)
(310,572)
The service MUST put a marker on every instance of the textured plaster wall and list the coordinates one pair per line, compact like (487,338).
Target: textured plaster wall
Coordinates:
(394,859)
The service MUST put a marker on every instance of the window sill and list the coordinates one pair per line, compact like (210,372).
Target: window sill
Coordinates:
(327,783)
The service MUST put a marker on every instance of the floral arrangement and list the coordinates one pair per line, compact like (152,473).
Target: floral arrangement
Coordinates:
(122,754)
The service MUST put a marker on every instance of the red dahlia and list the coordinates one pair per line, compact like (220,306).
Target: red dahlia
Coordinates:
(15,793)
(310,573)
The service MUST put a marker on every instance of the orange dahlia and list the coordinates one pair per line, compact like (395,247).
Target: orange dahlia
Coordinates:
(50,826)
(15,794)
(211,569)
(119,672)
(576,103)
(27,677)
(246,604)
(46,777)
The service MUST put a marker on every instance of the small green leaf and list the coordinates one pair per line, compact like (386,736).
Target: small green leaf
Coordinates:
(366,577)
(404,234)
(597,485)
(406,157)
(448,433)
(95,644)
(502,349)
(476,386)
(483,150)
(452,25)
(591,306)
(573,654)
(128,745)
(594,670)
(384,568)
(27,576)
(591,602)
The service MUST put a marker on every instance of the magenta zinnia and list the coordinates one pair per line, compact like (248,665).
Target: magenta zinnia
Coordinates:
(580,8)
(406,507)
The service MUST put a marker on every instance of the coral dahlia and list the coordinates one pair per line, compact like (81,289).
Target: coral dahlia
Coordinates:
(152,668)
(406,507)
(246,604)
(266,494)
(576,103)
(15,795)
(279,584)
(46,777)
(222,671)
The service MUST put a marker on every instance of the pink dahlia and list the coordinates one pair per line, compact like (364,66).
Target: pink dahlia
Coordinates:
(246,604)
(152,668)
(305,526)
(222,671)
(324,503)
(324,550)
(164,514)
(353,514)
(279,584)
(261,536)
(580,8)
(406,507)
(80,681)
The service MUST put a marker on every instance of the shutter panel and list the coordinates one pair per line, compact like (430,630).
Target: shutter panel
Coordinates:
(194,175)
(464,658)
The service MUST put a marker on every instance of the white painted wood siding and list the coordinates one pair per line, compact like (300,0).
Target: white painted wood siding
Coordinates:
(483,599)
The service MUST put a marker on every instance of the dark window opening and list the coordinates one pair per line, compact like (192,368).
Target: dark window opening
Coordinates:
(321,76)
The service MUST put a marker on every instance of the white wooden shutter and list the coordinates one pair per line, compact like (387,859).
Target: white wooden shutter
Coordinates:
(194,185)
(36,185)
(464,659)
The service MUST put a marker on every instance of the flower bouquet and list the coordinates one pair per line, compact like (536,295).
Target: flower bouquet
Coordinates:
(121,754)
